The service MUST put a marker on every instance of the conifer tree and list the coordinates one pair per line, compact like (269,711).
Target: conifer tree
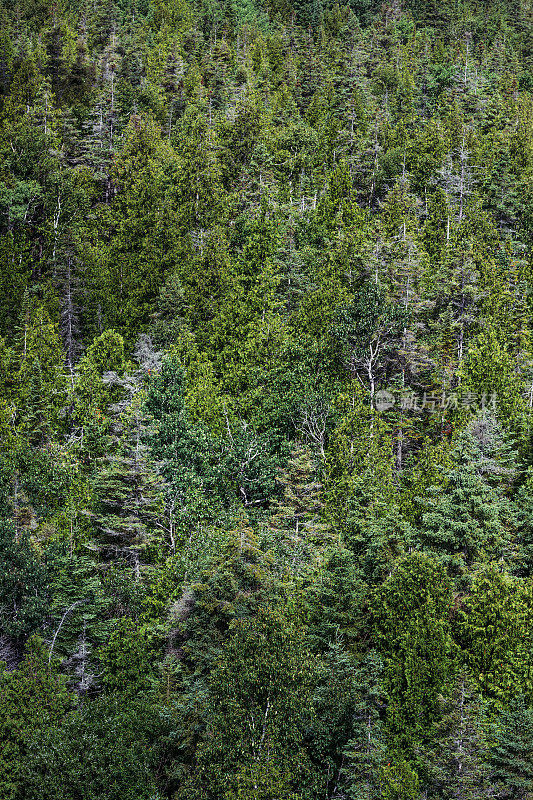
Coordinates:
(295,522)
(42,389)
(455,760)
(511,756)
(126,488)
(467,519)
(33,699)
(412,631)
(367,752)
(129,268)
(492,630)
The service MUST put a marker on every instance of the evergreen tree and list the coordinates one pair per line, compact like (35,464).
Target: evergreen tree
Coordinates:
(291,556)
(33,699)
(126,488)
(257,711)
(23,585)
(367,752)
(129,268)
(510,755)
(492,630)
(454,763)
(412,631)
(467,519)
(296,524)
(42,390)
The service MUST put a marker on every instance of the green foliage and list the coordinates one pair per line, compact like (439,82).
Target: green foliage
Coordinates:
(91,395)
(335,602)
(266,399)
(367,752)
(33,700)
(360,492)
(411,611)
(130,267)
(41,389)
(23,584)
(399,781)
(103,749)
(454,761)
(510,753)
(525,540)
(493,629)
(467,519)
(258,706)
(230,581)
(126,660)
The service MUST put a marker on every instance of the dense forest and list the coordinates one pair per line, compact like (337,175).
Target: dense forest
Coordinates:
(266,400)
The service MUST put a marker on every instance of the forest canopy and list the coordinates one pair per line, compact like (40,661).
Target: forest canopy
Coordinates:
(266,399)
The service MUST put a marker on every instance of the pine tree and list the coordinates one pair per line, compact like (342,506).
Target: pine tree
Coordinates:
(127,490)
(335,600)
(198,179)
(295,523)
(129,268)
(412,631)
(466,519)
(511,754)
(454,761)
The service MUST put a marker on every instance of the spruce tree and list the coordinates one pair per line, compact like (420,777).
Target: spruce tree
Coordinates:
(511,753)
(466,519)
(129,267)
(127,489)
(454,762)
(412,632)
(295,522)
